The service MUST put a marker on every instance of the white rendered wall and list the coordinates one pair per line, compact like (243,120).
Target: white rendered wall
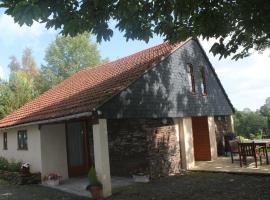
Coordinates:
(53,150)
(32,155)
(184,126)
(212,137)
(101,152)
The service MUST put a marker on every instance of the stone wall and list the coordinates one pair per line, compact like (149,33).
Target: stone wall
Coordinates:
(222,128)
(18,178)
(146,145)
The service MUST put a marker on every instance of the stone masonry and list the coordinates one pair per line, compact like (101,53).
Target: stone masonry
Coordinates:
(149,146)
(222,128)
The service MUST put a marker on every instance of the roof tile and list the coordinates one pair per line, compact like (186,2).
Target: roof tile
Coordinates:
(89,88)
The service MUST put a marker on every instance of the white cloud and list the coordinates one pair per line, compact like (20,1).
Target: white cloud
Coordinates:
(11,31)
(246,81)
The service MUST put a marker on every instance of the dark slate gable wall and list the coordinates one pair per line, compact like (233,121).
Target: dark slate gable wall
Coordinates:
(164,91)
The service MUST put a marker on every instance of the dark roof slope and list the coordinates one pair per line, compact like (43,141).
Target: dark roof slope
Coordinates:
(89,88)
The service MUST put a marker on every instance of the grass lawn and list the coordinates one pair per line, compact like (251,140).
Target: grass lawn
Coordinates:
(192,186)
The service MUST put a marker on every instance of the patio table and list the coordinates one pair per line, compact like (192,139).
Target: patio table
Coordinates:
(263,143)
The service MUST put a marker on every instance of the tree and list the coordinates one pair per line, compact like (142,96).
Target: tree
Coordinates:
(29,65)
(247,123)
(19,89)
(5,98)
(265,111)
(15,93)
(64,57)
(14,64)
(240,25)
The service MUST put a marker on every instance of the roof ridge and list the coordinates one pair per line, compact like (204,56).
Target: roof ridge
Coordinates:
(132,54)
(88,84)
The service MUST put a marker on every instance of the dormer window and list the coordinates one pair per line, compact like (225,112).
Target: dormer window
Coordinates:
(191,78)
(203,81)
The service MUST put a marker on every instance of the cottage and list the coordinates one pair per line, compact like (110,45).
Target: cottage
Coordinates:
(153,112)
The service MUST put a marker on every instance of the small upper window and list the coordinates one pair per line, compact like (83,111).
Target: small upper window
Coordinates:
(22,140)
(191,78)
(203,81)
(5,141)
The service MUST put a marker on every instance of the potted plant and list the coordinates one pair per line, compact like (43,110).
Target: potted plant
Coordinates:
(139,176)
(52,179)
(25,168)
(94,187)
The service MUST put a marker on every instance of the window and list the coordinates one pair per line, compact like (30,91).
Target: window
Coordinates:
(191,78)
(203,82)
(5,141)
(22,140)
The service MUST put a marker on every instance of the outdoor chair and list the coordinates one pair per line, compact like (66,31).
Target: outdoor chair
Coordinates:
(262,150)
(233,148)
(249,150)
(227,138)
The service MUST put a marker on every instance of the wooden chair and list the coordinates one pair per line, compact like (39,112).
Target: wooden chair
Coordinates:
(248,150)
(261,149)
(227,138)
(233,148)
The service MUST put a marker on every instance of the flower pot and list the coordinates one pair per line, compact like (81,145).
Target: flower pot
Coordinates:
(53,182)
(95,191)
(25,170)
(138,178)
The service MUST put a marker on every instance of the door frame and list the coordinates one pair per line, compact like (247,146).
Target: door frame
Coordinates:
(82,170)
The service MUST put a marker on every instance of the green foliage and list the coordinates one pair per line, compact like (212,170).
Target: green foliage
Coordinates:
(15,93)
(241,138)
(239,25)
(3,163)
(265,111)
(14,166)
(250,124)
(6,99)
(19,89)
(9,166)
(92,177)
(64,57)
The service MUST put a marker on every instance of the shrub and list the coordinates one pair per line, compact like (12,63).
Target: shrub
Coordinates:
(14,166)
(92,177)
(241,138)
(3,163)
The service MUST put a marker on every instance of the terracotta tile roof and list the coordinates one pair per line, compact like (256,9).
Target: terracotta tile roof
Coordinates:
(89,88)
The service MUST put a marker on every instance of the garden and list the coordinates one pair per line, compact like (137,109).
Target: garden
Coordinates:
(17,173)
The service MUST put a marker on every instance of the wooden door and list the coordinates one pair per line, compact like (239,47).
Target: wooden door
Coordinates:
(77,149)
(201,140)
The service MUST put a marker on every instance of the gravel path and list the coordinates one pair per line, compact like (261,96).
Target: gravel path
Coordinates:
(34,192)
(202,186)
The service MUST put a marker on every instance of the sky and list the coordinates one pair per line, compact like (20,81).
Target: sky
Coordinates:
(247,81)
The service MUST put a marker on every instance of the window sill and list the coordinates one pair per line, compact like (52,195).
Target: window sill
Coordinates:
(22,149)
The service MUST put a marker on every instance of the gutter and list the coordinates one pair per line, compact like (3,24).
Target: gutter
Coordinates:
(48,121)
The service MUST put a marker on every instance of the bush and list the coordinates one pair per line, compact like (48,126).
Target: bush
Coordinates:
(241,138)
(3,163)
(14,166)
(92,177)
